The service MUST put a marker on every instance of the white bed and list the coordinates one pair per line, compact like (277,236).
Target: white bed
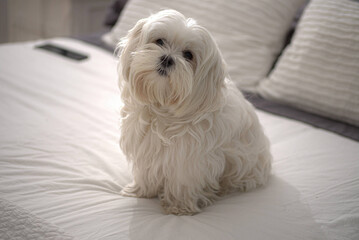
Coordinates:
(61,169)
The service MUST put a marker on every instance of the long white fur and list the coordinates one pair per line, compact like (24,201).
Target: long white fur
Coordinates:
(190,135)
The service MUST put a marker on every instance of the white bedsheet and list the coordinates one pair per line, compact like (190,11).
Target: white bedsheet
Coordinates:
(60,161)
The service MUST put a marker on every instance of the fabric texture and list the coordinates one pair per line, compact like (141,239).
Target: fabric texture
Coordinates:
(249,33)
(339,127)
(319,71)
(96,39)
(20,224)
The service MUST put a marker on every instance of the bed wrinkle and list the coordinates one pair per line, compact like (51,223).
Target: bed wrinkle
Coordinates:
(349,185)
(18,223)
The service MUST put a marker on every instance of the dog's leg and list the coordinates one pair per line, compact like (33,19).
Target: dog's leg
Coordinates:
(184,201)
(193,184)
(238,177)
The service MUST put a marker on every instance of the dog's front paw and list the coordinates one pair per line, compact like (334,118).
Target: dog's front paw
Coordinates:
(177,208)
(134,190)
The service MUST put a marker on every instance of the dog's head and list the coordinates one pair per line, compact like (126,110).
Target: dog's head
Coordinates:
(171,62)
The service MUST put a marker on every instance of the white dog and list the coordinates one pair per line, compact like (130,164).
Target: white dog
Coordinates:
(188,132)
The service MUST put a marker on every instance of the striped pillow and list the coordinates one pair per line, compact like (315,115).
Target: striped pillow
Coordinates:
(319,70)
(249,33)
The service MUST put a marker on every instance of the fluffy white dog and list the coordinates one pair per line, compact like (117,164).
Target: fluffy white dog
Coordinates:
(188,132)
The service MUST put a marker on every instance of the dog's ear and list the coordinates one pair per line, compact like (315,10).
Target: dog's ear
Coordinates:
(210,74)
(127,46)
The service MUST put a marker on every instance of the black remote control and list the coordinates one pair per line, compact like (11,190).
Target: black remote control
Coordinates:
(62,51)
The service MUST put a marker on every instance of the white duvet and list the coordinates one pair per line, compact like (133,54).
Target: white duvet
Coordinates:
(61,169)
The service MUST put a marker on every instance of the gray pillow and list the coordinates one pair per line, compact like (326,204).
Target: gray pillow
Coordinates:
(319,70)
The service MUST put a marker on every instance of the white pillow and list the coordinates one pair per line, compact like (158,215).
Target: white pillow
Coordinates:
(319,70)
(249,33)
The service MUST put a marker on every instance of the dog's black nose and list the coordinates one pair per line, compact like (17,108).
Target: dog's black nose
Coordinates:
(167,61)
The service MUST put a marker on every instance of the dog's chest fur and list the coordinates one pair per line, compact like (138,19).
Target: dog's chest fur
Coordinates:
(167,147)
(145,131)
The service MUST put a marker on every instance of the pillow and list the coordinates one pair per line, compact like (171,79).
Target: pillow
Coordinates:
(249,33)
(113,12)
(319,70)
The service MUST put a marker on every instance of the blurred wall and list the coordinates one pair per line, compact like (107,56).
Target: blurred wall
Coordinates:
(22,20)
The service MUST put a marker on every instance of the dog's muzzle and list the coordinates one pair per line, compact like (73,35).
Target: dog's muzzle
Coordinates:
(166,62)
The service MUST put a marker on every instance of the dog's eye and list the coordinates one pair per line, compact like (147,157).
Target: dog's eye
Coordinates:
(187,55)
(160,42)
